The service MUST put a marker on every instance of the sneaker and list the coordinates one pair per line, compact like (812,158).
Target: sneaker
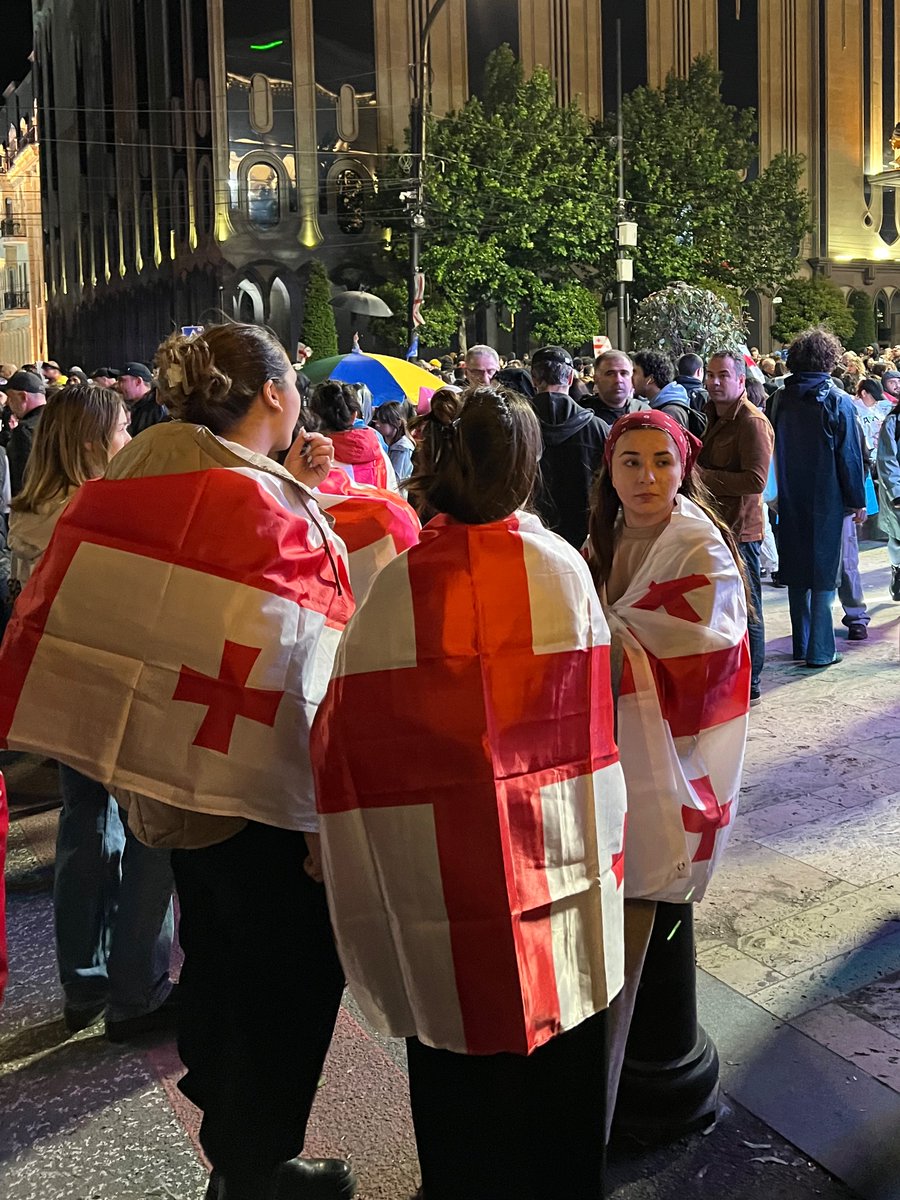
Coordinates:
(895,583)
(857,632)
(159,1020)
(755,697)
(775,581)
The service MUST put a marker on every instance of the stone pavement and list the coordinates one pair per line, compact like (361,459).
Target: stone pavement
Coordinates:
(803,919)
(798,940)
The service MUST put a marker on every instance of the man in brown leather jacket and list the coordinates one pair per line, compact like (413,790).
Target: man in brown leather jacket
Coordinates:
(734,465)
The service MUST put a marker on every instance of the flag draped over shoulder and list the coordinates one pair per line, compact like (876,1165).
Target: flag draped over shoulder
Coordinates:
(374,524)
(473,833)
(177,636)
(682,709)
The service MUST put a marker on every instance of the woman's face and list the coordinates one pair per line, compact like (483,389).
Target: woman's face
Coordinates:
(646,473)
(121,437)
(290,408)
(388,432)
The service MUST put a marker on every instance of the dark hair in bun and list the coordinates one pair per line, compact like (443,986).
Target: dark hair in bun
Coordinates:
(477,457)
(336,404)
(211,378)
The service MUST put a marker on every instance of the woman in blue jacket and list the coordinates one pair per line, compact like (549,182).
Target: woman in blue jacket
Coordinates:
(819,468)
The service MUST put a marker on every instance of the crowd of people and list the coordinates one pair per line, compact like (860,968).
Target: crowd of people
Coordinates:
(455,640)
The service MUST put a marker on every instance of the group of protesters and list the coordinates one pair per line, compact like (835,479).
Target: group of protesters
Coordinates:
(455,640)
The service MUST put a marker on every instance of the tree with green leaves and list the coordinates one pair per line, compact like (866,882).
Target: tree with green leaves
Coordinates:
(520,205)
(681,319)
(441,320)
(688,178)
(865,333)
(806,303)
(318,331)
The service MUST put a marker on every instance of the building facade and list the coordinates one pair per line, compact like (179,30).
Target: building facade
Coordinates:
(23,334)
(196,158)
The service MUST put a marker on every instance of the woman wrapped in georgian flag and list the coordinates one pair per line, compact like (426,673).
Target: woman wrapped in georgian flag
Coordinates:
(671,584)
(472,831)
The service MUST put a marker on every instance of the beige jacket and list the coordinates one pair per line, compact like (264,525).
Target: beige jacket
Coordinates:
(170,449)
(30,533)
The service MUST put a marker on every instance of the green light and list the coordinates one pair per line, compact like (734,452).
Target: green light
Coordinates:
(267,45)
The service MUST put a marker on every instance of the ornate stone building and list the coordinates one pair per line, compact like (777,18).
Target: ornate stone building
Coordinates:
(197,156)
(23,336)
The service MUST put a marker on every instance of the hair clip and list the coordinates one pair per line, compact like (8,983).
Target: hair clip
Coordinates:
(174,376)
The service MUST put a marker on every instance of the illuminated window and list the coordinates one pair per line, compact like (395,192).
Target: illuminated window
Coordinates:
(263,195)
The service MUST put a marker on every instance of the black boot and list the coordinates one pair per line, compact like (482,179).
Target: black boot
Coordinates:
(299,1179)
(895,583)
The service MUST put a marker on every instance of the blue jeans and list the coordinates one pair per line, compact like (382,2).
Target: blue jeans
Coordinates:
(755,627)
(112,899)
(850,592)
(811,625)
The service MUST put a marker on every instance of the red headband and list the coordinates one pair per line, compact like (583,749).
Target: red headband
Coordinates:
(688,445)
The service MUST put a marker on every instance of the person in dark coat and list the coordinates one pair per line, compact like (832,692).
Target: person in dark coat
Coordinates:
(573,446)
(819,468)
(27,395)
(144,406)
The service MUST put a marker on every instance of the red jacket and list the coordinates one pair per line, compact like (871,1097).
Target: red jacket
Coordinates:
(359,453)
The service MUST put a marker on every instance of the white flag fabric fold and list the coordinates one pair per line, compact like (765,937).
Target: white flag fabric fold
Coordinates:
(683,706)
(373,523)
(471,801)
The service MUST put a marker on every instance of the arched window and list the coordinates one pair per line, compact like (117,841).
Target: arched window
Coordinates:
(882,318)
(280,311)
(249,303)
(347,185)
(264,191)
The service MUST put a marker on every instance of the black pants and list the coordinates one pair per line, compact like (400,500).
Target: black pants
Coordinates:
(261,986)
(507,1127)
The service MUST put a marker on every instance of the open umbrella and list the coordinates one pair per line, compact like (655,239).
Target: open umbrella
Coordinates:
(386,377)
(362,302)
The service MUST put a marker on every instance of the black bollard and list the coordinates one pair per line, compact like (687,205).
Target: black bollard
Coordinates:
(670,1077)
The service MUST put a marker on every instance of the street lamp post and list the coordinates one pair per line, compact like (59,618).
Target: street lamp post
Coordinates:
(418,119)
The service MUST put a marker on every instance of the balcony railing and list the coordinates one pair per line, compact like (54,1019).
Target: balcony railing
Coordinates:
(16,300)
(10,227)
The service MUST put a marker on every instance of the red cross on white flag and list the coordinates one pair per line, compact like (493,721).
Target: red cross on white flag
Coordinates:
(181,657)
(473,833)
(682,707)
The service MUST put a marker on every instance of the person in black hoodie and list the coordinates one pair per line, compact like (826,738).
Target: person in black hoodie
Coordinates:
(689,370)
(573,446)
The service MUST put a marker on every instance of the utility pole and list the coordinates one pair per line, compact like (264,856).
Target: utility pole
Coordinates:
(418,124)
(626,231)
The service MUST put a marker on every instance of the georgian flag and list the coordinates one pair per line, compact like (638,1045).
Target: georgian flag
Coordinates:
(374,524)
(473,832)
(176,638)
(683,707)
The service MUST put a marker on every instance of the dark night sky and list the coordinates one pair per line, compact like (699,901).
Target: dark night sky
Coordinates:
(15,42)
